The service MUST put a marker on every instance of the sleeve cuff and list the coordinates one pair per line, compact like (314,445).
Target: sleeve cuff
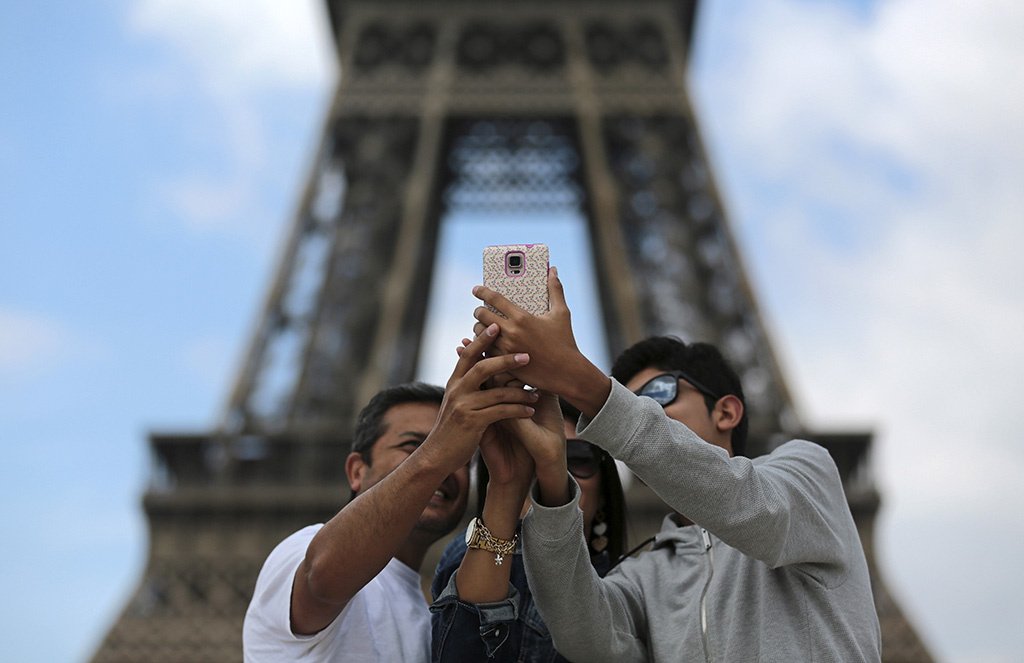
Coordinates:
(507,609)
(554,522)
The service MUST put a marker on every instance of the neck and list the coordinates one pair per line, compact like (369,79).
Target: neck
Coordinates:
(412,552)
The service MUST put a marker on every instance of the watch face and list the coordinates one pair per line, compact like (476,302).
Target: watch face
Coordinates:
(470,531)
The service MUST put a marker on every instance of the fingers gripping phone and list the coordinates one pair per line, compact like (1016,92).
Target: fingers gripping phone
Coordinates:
(520,273)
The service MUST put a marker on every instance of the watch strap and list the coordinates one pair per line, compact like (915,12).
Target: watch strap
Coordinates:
(482,539)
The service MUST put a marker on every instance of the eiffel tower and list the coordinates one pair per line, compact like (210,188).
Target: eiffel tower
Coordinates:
(481,106)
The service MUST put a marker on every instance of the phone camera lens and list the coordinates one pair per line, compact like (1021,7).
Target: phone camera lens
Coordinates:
(515,261)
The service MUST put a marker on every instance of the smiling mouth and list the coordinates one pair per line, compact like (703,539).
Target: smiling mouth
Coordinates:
(446,492)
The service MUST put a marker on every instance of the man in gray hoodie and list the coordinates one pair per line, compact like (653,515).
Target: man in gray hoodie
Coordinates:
(760,562)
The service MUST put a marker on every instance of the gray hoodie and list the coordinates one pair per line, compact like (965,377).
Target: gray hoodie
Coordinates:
(773,571)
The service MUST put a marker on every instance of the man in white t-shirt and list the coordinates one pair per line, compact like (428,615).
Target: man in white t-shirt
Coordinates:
(349,589)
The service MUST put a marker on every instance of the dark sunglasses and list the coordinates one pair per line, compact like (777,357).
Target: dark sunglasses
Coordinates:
(581,458)
(664,388)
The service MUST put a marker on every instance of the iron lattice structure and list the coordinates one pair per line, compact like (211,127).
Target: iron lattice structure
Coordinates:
(482,105)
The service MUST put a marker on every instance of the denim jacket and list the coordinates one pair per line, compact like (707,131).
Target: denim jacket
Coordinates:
(506,630)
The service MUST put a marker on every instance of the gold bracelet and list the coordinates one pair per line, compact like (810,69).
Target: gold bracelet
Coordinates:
(479,537)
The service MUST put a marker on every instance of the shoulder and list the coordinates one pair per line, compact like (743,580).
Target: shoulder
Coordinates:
(810,473)
(274,582)
(801,453)
(806,469)
(799,448)
(291,550)
(267,621)
(301,538)
(638,566)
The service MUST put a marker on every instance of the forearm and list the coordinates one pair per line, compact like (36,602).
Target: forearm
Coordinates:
(553,484)
(593,620)
(777,512)
(584,385)
(479,578)
(691,475)
(353,547)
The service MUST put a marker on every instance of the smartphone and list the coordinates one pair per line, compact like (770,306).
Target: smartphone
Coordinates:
(520,273)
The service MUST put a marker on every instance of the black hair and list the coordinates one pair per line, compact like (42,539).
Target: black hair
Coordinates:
(612,497)
(370,422)
(701,360)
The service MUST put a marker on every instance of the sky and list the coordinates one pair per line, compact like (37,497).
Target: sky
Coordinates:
(870,156)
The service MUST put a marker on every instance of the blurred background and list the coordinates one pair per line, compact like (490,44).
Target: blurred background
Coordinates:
(870,155)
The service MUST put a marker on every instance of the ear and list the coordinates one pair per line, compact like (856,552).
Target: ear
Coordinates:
(727,415)
(355,469)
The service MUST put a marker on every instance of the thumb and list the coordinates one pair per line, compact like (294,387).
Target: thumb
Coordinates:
(556,294)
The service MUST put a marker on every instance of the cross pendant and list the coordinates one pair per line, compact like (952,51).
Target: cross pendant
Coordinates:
(498,559)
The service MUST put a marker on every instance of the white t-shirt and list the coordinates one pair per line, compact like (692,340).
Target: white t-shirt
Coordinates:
(388,620)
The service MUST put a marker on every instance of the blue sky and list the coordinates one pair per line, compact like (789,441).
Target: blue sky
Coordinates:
(870,155)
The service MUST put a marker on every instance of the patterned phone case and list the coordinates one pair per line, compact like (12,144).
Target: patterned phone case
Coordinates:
(525,285)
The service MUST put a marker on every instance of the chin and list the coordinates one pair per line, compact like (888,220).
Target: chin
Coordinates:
(439,523)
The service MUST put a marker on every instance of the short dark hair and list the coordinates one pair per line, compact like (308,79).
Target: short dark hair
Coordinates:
(701,360)
(370,422)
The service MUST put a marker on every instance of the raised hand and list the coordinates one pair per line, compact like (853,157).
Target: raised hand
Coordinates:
(550,334)
(467,411)
(556,363)
(508,461)
(543,436)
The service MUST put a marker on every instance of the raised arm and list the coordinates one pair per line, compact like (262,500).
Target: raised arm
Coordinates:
(475,612)
(475,615)
(355,545)
(483,577)
(784,508)
(590,618)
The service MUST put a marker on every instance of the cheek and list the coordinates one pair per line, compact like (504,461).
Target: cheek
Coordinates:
(694,418)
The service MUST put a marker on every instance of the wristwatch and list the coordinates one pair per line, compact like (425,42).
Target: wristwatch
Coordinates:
(479,537)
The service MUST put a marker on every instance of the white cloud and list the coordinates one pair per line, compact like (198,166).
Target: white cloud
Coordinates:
(239,61)
(952,70)
(242,46)
(877,161)
(207,204)
(31,344)
(933,87)
(227,198)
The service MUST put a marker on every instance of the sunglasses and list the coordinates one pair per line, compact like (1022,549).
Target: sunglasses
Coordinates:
(664,388)
(581,457)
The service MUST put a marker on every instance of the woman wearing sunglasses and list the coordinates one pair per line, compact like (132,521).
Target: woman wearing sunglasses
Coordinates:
(509,628)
